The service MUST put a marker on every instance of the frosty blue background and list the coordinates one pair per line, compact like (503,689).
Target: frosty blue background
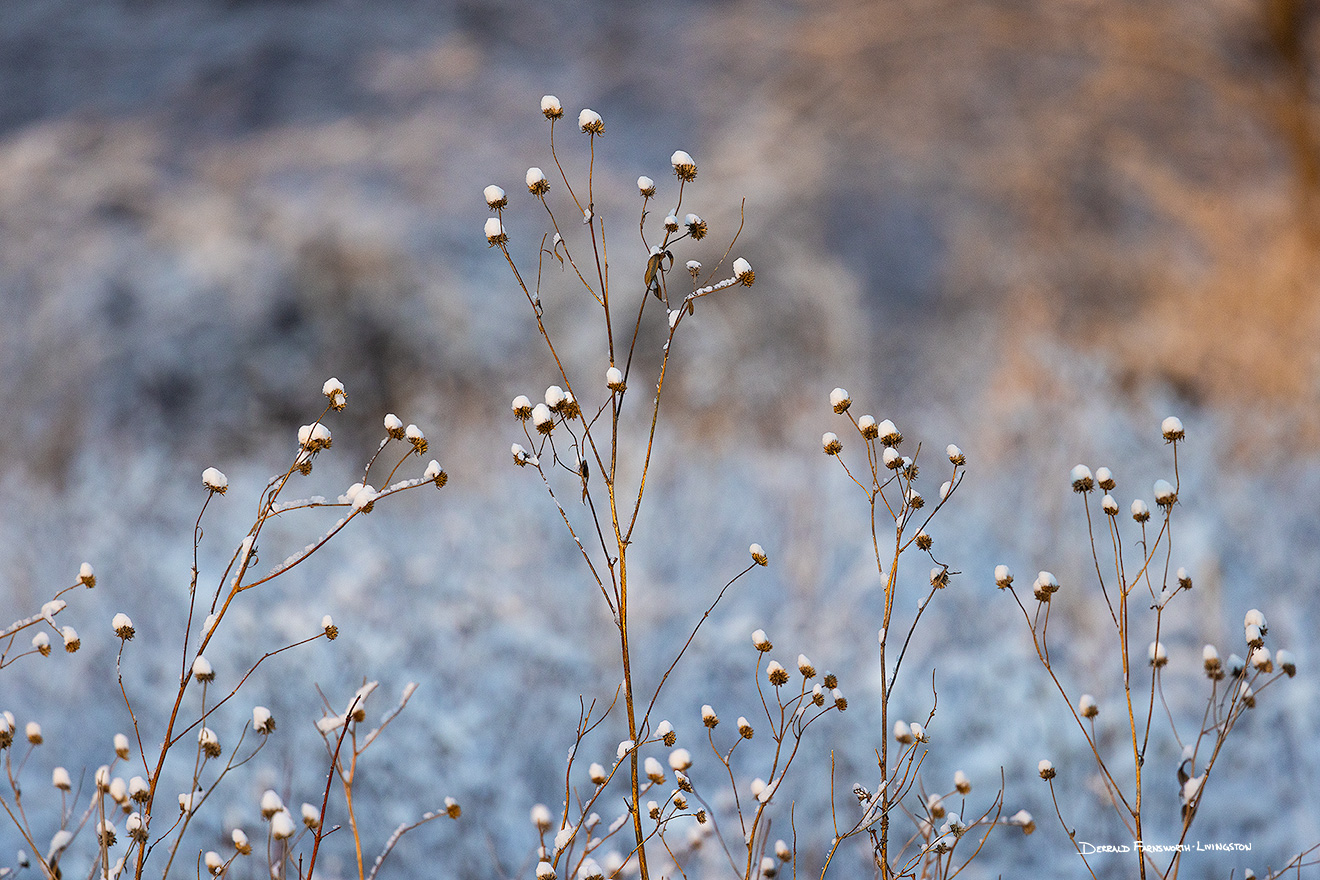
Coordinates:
(1029,229)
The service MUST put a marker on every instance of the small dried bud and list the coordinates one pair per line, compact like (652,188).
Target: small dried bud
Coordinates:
(1247,695)
(215,865)
(139,790)
(311,816)
(1046,770)
(653,770)
(831,680)
(680,759)
(105,833)
(1213,667)
(840,701)
(696,227)
(1003,577)
(1023,820)
(334,391)
(903,733)
(281,825)
(452,808)
(522,409)
(935,806)
(758,554)
(135,829)
(551,107)
(939,577)
(271,803)
(1184,579)
(1046,585)
(671,223)
(745,728)
(925,542)
(1254,617)
(1261,660)
(1172,429)
(1255,638)
(653,809)
(41,643)
(542,418)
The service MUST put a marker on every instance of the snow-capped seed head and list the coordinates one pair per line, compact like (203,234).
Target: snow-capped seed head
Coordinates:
(590,870)
(417,438)
(590,122)
(939,577)
(521,406)
(71,641)
(745,728)
(777,674)
(680,759)
(671,223)
(654,771)
(215,865)
(1247,695)
(782,851)
(334,391)
(134,828)
(1254,617)
(1045,769)
(33,733)
(961,783)
(889,433)
(919,732)
(1236,665)
(829,441)
(540,816)
(708,716)
(758,554)
(598,774)
(840,701)
(214,480)
(328,627)
(694,268)
(1261,660)
(435,474)
(625,747)
(614,380)
(891,458)
(1164,494)
(805,667)
(495,233)
(1109,505)
(761,641)
(646,186)
(209,742)
(1081,478)
(59,777)
(1003,577)
(1087,707)
(1045,585)
(935,805)
(495,197)
(1210,658)
(1104,478)
(1140,512)
(270,803)
(1287,662)
(545,870)
(551,107)
(119,791)
(120,743)
(664,731)
(696,227)
(955,455)
(742,271)
(139,789)
(281,825)
(903,732)
(122,626)
(105,833)
(311,816)
(543,418)
(1157,655)
(262,721)
(1184,579)
(240,841)
(41,643)
(189,801)
(1172,429)
(1255,638)
(1023,820)
(867,425)
(684,166)
(86,576)
(452,808)
(537,184)
(839,400)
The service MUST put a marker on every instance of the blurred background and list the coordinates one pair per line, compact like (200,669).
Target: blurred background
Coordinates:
(1033,228)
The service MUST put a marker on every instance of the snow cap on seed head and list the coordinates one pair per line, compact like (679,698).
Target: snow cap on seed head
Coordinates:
(590,122)
(537,184)
(1172,429)
(1082,481)
(758,554)
(646,186)
(742,270)
(1140,512)
(1164,494)
(495,233)
(495,197)
(840,400)
(214,480)
(551,107)
(684,166)
(1003,577)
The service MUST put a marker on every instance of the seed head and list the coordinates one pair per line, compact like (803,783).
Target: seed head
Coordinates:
(71,641)
(86,576)
(590,122)
(1157,655)
(1287,662)
(1164,495)
(903,733)
(122,626)
(745,728)
(829,441)
(961,783)
(646,186)
(209,742)
(614,380)
(1046,770)
(1104,478)
(805,667)
(889,433)
(551,107)
(541,818)
(543,419)
(393,427)
(59,778)
(1087,706)
(214,480)
(537,185)
(495,233)
(708,716)
(684,166)
(1140,512)
(262,721)
(742,270)
(955,455)
(777,674)
(761,641)
(1172,429)
(334,391)
(1003,577)
(1082,481)
(696,227)
(33,733)
(840,401)
(1109,505)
